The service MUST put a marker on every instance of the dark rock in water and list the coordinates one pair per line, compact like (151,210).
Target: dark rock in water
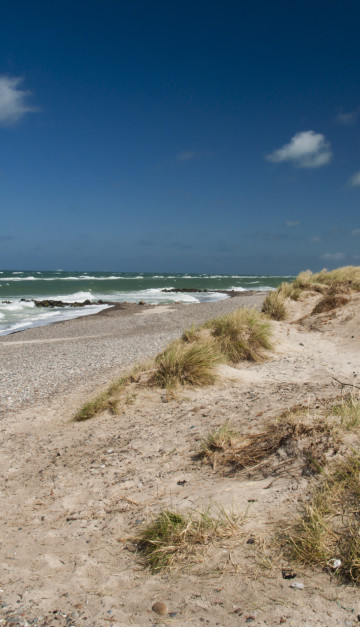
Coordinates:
(6,302)
(141,302)
(59,303)
(182,290)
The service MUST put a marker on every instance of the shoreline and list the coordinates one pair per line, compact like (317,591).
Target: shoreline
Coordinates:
(76,495)
(118,305)
(88,351)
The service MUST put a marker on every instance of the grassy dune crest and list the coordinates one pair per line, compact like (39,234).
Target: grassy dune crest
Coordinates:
(345,279)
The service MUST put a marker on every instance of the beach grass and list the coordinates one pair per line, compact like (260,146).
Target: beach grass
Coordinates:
(173,538)
(274,306)
(192,363)
(344,279)
(110,398)
(193,359)
(106,401)
(328,529)
(241,335)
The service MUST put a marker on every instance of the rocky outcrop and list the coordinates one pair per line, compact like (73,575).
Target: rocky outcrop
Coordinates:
(60,303)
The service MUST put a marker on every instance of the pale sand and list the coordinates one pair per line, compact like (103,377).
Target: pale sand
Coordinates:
(73,495)
(40,362)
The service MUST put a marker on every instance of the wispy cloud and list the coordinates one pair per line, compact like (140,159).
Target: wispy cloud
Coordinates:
(355,232)
(315,239)
(186,155)
(333,256)
(272,237)
(347,119)
(189,155)
(354,180)
(145,242)
(305,150)
(292,223)
(13,101)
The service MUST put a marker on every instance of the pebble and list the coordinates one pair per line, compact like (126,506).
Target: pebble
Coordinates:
(160,608)
(297,584)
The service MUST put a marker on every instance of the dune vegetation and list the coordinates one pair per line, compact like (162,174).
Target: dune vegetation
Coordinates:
(345,279)
(173,538)
(192,360)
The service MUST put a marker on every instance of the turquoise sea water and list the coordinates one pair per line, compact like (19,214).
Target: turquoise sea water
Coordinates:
(16,315)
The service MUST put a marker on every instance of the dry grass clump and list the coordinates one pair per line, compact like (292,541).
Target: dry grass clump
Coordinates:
(187,363)
(288,290)
(274,306)
(110,399)
(290,438)
(329,528)
(243,334)
(191,335)
(329,302)
(349,412)
(294,437)
(219,440)
(173,538)
(106,401)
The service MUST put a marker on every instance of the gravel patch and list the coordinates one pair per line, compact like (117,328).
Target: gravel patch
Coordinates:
(87,352)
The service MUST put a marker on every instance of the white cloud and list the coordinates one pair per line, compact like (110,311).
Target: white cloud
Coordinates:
(354,180)
(291,223)
(355,232)
(334,256)
(348,119)
(13,101)
(315,239)
(305,150)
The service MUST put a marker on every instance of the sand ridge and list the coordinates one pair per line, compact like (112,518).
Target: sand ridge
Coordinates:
(74,494)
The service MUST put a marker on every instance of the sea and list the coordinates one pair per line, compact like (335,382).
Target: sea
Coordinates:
(18,290)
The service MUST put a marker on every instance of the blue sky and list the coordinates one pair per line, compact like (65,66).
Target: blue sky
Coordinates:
(180,136)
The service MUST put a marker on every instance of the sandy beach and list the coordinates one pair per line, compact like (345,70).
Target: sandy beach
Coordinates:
(85,352)
(73,495)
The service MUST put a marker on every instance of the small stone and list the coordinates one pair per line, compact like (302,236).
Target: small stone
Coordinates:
(282,620)
(250,541)
(160,608)
(250,618)
(288,573)
(335,563)
(297,584)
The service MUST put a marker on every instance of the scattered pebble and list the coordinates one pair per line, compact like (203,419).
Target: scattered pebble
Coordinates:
(297,584)
(335,563)
(160,608)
